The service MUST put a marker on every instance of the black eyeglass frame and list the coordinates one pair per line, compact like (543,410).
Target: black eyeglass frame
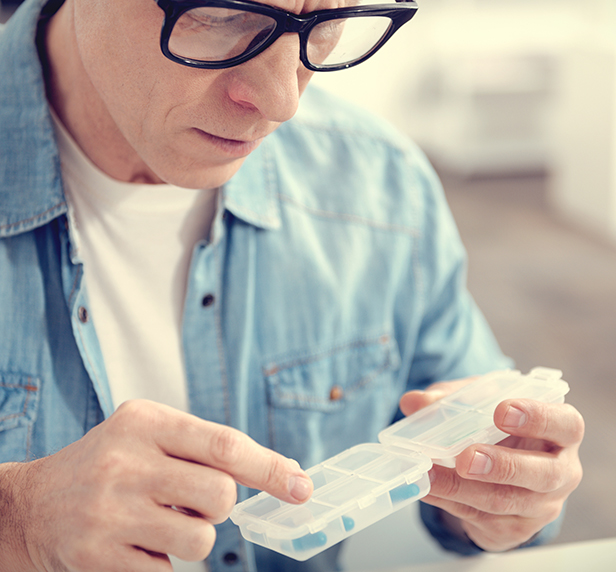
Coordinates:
(286,22)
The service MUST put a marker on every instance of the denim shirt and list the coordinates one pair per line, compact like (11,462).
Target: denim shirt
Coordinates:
(337,273)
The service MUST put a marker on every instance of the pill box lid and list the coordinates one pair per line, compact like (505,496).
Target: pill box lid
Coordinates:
(444,429)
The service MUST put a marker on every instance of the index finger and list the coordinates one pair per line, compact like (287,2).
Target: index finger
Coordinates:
(235,453)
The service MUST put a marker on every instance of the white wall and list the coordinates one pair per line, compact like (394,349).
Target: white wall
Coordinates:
(494,86)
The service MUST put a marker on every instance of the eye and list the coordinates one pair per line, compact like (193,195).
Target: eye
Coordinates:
(327,32)
(203,19)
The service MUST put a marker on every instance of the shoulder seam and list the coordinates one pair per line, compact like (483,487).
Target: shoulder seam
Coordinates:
(354,219)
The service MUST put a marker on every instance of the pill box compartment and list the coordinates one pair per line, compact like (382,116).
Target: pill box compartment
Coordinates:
(444,429)
(352,491)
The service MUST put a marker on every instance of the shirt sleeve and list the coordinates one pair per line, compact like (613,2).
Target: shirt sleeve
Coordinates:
(454,339)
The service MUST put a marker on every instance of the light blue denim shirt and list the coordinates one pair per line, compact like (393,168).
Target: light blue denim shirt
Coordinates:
(334,263)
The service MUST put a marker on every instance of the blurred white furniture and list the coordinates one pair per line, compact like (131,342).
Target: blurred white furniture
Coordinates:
(584,151)
(595,556)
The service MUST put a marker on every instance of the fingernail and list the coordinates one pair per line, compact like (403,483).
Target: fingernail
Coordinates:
(300,488)
(432,475)
(481,464)
(514,418)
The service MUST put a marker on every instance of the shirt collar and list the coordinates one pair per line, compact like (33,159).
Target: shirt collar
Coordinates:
(252,194)
(30,177)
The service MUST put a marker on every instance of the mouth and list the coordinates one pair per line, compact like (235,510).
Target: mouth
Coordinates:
(233,148)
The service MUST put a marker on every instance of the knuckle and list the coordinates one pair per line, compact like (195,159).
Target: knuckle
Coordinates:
(130,409)
(109,466)
(566,476)
(555,477)
(134,415)
(504,501)
(540,419)
(553,511)
(578,426)
(276,468)
(227,494)
(450,484)
(468,513)
(577,475)
(553,480)
(208,541)
(507,468)
(227,447)
(199,542)
(222,496)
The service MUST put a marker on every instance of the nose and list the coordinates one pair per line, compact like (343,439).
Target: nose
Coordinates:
(272,82)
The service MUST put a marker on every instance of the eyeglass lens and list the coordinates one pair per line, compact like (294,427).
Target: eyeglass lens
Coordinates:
(215,34)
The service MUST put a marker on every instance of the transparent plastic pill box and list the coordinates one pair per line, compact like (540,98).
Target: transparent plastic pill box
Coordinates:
(351,491)
(368,482)
(444,429)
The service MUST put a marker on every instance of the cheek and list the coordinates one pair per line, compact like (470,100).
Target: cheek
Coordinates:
(121,56)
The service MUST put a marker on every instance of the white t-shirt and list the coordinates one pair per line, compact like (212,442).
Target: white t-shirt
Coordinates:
(135,242)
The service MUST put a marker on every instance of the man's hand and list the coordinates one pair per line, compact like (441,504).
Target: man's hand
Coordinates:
(502,495)
(147,482)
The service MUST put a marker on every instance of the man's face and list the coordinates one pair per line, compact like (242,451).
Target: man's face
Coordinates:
(191,127)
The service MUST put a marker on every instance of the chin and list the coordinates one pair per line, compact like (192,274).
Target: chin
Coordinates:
(194,177)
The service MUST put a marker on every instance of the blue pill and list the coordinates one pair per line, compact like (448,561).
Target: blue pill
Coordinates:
(348,523)
(310,541)
(403,492)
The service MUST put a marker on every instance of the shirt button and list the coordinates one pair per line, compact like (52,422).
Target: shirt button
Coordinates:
(230,558)
(207,300)
(336,393)
(83,314)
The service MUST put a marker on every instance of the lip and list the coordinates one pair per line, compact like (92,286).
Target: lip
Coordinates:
(233,148)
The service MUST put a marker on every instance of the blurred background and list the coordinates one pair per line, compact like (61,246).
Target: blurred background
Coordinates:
(515,104)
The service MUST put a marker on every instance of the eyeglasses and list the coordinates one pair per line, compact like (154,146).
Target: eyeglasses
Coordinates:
(218,34)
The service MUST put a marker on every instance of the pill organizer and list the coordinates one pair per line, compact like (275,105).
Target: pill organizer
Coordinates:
(368,482)
(444,429)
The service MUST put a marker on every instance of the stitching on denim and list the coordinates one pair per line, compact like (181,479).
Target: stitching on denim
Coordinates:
(15,386)
(29,390)
(363,382)
(273,368)
(39,216)
(352,218)
(351,132)
(219,342)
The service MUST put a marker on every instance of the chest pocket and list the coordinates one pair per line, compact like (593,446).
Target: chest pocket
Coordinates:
(322,403)
(19,396)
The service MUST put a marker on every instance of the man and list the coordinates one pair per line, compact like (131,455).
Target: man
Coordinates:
(295,299)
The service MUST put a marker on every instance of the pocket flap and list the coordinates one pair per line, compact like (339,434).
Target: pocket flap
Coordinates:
(326,380)
(18,397)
